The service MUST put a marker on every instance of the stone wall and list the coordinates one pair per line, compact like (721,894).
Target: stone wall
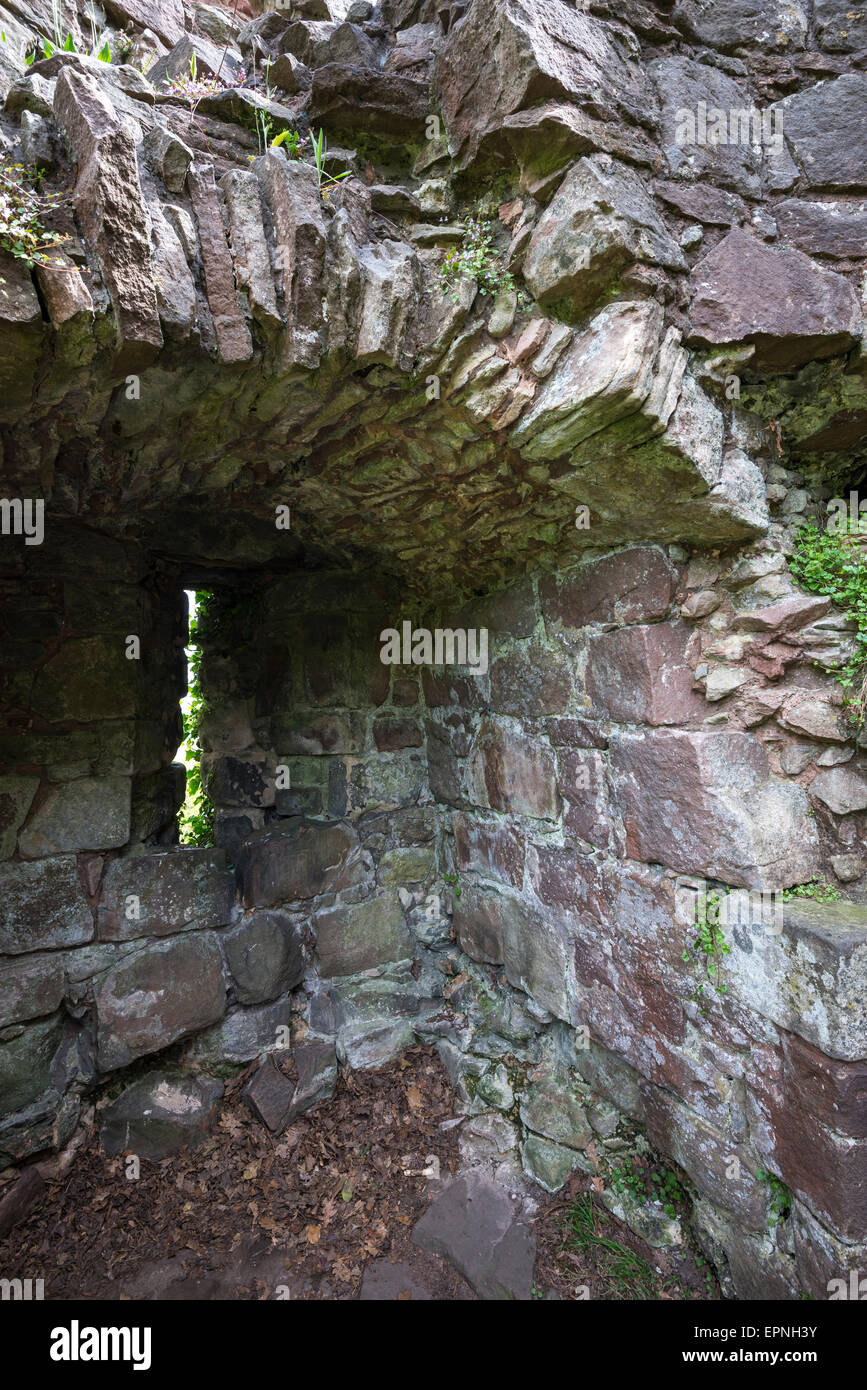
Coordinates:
(604,466)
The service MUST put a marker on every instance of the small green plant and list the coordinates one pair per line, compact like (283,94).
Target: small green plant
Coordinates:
(22,207)
(667,1191)
(196,817)
(708,948)
(780,1197)
(192,88)
(475,259)
(264,126)
(818,889)
(320,151)
(451,880)
(833,563)
(290,141)
(625,1179)
(649,1184)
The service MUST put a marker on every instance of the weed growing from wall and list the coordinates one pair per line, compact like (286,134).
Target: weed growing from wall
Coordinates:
(819,890)
(780,1198)
(22,207)
(835,564)
(708,949)
(475,259)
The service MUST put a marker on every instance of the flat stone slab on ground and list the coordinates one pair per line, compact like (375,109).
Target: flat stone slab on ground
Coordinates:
(476,1225)
(384,1281)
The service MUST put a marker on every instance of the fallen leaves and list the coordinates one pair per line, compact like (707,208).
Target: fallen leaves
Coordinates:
(332,1188)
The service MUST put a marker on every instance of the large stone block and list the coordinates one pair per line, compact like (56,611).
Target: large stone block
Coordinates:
(26,1055)
(44,906)
(308,858)
(600,220)
(493,850)
(508,55)
(745,24)
(706,1155)
(31,987)
(157,995)
(478,917)
(510,771)
(643,674)
(584,783)
(685,87)
(244,1034)
(156,894)
(551,1107)
(16,795)
(531,682)
(291,192)
(810,979)
(160,1115)
(607,375)
(824,127)
(361,935)
(112,212)
(790,308)
(633,585)
(88,678)
(705,803)
(828,1268)
(477,1226)
(90,813)
(232,781)
(264,956)
(820,1135)
(841,27)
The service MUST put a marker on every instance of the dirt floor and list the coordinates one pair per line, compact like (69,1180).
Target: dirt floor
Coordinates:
(250,1216)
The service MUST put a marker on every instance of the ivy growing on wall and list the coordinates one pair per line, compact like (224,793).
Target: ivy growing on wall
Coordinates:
(196,817)
(834,563)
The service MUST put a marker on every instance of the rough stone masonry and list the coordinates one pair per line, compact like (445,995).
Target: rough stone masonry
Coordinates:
(604,465)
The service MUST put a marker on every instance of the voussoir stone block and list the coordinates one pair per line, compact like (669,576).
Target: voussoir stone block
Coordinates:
(790,308)
(112,211)
(633,585)
(157,894)
(157,995)
(705,803)
(308,858)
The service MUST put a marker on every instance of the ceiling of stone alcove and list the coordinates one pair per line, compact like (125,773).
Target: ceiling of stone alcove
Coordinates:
(293,350)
